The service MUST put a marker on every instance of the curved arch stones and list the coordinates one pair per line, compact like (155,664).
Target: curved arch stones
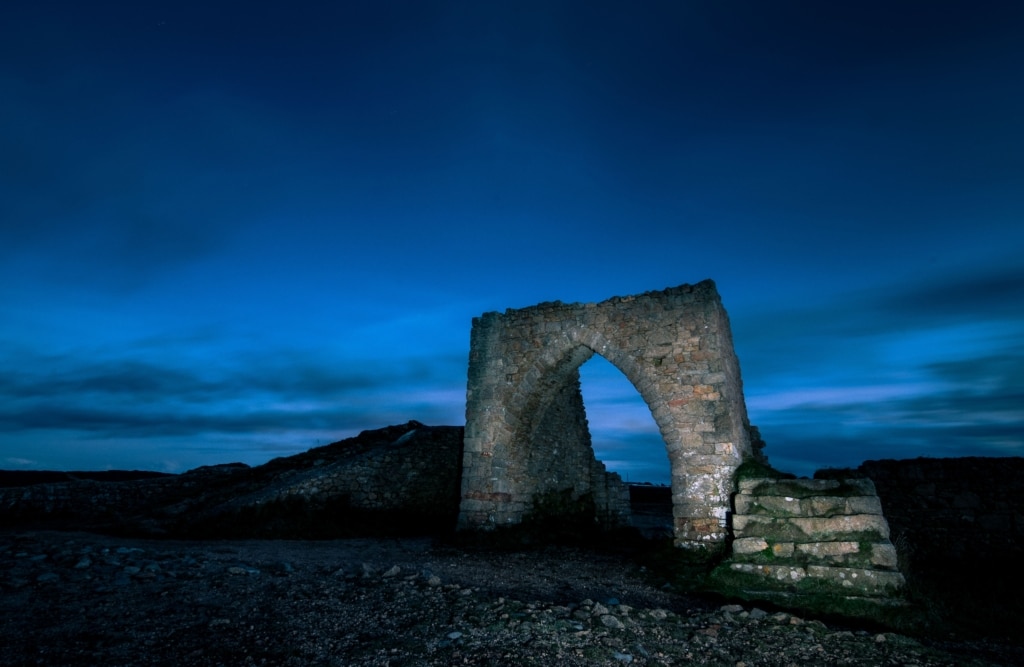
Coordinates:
(526,432)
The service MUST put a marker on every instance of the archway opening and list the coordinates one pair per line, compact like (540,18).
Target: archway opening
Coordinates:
(627,440)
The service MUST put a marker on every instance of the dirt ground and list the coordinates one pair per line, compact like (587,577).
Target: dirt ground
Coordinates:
(80,598)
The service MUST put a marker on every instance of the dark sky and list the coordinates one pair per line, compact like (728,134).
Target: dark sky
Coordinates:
(232,231)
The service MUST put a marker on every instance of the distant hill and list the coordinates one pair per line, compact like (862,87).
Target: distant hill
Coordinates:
(10,478)
(395,480)
(405,479)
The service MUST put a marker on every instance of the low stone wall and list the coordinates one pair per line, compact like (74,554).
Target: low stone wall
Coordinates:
(965,512)
(813,536)
(416,471)
(396,480)
(85,501)
(611,496)
(562,459)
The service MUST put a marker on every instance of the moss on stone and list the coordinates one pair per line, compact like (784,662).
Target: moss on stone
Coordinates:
(754,469)
(818,597)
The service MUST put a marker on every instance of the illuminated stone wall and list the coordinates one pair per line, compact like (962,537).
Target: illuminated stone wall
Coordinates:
(526,431)
(793,535)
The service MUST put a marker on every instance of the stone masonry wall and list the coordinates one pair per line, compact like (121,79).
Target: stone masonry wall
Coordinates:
(409,471)
(819,534)
(416,472)
(562,457)
(145,505)
(674,346)
(83,499)
(966,512)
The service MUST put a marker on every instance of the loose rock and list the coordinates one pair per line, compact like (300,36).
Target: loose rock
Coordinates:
(205,603)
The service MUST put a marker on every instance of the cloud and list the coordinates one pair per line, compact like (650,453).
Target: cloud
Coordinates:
(285,391)
(990,293)
(636,456)
(931,368)
(956,419)
(986,374)
(896,335)
(137,380)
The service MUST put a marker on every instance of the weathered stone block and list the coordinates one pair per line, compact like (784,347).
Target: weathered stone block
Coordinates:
(862,486)
(833,528)
(749,545)
(770,528)
(817,528)
(884,555)
(811,486)
(778,573)
(835,551)
(749,485)
(823,506)
(744,503)
(783,549)
(863,505)
(858,580)
(777,506)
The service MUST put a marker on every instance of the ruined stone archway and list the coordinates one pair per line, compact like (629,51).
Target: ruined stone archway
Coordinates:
(526,431)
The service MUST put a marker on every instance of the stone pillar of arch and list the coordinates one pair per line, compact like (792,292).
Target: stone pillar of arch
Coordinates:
(525,432)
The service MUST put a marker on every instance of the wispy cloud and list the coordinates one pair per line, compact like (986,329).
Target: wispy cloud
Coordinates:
(283,392)
(637,456)
(929,370)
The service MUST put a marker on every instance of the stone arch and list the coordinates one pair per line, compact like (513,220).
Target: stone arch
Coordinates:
(526,431)
(638,375)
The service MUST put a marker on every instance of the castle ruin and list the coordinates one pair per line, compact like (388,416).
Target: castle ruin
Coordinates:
(526,433)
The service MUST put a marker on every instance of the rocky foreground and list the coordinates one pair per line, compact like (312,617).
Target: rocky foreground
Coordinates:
(86,599)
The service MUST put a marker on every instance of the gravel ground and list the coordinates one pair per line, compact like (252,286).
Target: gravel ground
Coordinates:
(85,599)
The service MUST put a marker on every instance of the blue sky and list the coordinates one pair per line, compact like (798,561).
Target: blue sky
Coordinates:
(232,231)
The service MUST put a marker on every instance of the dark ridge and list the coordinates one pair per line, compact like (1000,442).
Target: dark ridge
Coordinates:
(14,478)
(396,480)
(649,493)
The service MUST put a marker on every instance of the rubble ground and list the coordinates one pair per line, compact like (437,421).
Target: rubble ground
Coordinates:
(81,598)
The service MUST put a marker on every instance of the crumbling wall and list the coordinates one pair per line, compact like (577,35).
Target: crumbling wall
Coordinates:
(417,471)
(562,458)
(960,512)
(90,503)
(811,536)
(674,346)
(406,475)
